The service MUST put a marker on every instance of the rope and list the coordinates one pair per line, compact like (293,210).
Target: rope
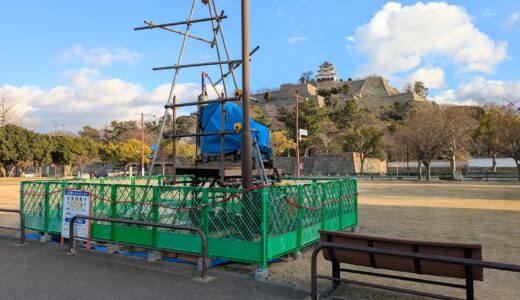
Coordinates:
(225,199)
(293,203)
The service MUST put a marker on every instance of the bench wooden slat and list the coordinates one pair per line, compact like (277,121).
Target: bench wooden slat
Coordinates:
(403,264)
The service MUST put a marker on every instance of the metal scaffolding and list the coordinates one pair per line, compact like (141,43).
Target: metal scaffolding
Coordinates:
(223,58)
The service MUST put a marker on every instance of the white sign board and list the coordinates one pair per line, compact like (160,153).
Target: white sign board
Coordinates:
(303,132)
(76,202)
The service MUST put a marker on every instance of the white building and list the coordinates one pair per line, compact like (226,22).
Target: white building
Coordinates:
(326,72)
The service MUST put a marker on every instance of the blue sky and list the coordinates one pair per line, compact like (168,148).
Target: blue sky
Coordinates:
(77,63)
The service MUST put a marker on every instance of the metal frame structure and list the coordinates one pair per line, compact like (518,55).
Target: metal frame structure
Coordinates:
(222,59)
(22,223)
(204,250)
(467,262)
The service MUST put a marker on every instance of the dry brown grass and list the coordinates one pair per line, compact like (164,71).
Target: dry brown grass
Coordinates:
(473,212)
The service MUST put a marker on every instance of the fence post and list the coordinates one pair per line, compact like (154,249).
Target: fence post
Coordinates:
(264,227)
(354,184)
(204,220)
(324,193)
(22,192)
(46,207)
(113,211)
(155,213)
(132,195)
(299,219)
(342,193)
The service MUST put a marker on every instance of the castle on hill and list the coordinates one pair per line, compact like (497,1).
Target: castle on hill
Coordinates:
(373,92)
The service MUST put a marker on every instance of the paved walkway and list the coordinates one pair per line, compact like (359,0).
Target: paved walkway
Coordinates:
(45,271)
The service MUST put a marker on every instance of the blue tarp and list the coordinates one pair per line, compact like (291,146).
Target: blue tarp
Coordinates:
(232,142)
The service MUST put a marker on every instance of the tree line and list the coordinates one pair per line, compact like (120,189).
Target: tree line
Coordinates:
(415,131)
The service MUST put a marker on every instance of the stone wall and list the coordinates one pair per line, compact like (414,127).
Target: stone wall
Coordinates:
(285,95)
(343,164)
(372,93)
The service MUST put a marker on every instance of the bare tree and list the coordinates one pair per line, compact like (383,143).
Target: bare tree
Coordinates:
(458,127)
(8,109)
(509,137)
(306,77)
(424,134)
(485,137)
(400,147)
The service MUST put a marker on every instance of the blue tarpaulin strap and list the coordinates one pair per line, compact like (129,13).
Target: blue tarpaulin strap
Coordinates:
(211,117)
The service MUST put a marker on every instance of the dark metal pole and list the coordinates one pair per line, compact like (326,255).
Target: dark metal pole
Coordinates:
(180,32)
(314,273)
(247,156)
(22,228)
(174,140)
(204,250)
(22,222)
(188,22)
(212,63)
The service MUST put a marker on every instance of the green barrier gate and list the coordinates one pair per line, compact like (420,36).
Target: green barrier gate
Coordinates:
(251,226)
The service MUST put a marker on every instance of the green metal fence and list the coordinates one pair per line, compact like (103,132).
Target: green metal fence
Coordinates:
(252,226)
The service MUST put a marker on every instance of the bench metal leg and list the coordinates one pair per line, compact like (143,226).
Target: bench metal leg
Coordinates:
(470,293)
(314,272)
(336,273)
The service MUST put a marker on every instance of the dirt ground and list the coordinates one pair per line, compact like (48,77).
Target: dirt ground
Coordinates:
(471,212)
(9,198)
(474,212)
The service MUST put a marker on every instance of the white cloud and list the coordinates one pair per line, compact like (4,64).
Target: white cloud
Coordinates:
(431,77)
(481,88)
(402,38)
(513,22)
(81,77)
(101,56)
(283,15)
(350,38)
(296,39)
(89,100)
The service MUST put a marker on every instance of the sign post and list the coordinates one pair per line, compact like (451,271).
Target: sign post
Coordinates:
(76,202)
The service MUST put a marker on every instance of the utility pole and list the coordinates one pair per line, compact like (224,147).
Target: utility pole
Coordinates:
(142,144)
(247,155)
(297,173)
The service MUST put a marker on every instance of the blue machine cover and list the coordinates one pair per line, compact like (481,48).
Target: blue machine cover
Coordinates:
(232,142)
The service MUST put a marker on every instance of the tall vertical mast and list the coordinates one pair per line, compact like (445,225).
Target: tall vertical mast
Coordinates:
(247,155)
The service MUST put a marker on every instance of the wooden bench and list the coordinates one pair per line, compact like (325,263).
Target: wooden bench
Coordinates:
(453,260)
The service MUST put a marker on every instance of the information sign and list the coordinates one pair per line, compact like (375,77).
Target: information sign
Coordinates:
(76,202)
